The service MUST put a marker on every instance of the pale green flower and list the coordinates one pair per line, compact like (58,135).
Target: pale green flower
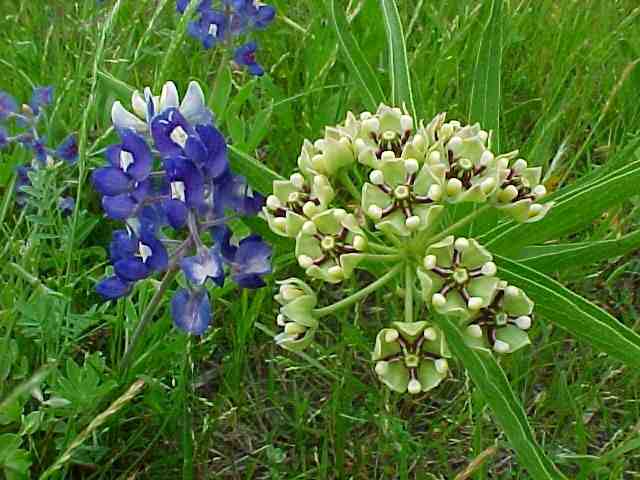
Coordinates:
(458,276)
(502,326)
(296,314)
(330,245)
(410,356)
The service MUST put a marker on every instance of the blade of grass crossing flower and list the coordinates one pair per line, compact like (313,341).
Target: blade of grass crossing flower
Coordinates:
(401,91)
(372,93)
(257,174)
(485,90)
(491,380)
(84,129)
(562,257)
(570,213)
(573,313)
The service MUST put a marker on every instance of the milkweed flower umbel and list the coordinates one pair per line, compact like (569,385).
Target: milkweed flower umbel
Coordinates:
(380,189)
(168,180)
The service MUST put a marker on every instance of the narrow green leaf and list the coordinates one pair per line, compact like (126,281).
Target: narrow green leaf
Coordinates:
(573,313)
(370,88)
(491,380)
(571,212)
(485,90)
(259,176)
(401,92)
(565,256)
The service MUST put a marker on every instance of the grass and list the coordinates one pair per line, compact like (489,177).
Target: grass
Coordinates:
(232,404)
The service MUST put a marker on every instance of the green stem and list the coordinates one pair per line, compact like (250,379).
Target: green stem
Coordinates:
(360,294)
(459,224)
(382,248)
(148,315)
(349,185)
(383,258)
(408,293)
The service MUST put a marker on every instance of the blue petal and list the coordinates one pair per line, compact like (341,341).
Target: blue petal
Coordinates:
(119,207)
(207,263)
(216,163)
(159,258)
(131,269)
(68,149)
(110,181)
(222,237)
(113,287)
(41,97)
(252,261)
(163,125)
(264,16)
(177,212)
(142,156)
(4,137)
(66,205)
(191,312)
(123,245)
(8,105)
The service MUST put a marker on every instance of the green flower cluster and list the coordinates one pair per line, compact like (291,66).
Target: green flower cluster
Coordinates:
(377,188)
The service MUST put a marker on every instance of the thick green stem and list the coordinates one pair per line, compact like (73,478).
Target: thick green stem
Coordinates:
(408,293)
(148,315)
(360,294)
(383,258)
(344,178)
(382,248)
(459,224)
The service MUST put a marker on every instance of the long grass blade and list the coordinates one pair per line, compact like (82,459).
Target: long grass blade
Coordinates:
(356,61)
(401,90)
(491,380)
(573,313)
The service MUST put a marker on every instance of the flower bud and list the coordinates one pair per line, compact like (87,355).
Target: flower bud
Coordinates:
(414,386)
(305,261)
(411,166)
(442,366)
(474,331)
(382,368)
(297,180)
(412,223)
(539,191)
(375,212)
(489,269)
(435,192)
(519,165)
(501,347)
(310,209)
(454,187)
(388,156)
(391,335)
(524,322)
(430,262)
(461,244)
(273,203)
(435,157)
(376,177)
(438,300)
(475,303)
(430,334)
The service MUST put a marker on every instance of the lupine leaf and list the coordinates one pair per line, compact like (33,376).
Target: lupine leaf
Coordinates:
(370,88)
(259,176)
(491,380)
(572,211)
(573,313)
(401,91)
(564,256)
(485,90)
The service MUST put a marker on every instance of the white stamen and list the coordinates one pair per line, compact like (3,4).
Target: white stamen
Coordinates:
(144,251)
(179,136)
(213,29)
(126,160)
(177,191)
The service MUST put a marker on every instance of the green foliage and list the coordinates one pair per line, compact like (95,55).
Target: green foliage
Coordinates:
(252,410)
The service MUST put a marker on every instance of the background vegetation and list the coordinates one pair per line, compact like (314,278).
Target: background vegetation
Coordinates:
(237,406)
